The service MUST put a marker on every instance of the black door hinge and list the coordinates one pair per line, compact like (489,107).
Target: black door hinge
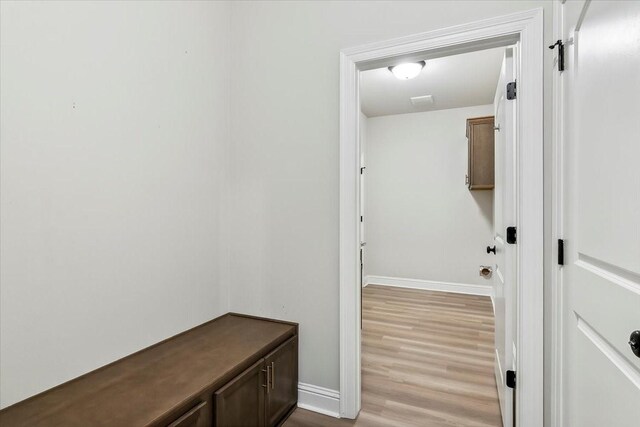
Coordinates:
(560,54)
(361,218)
(511,379)
(560,252)
(512,235)
(511,90)
(362,170)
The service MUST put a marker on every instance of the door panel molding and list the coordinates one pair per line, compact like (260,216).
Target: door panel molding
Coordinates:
(621,277)
(618,360)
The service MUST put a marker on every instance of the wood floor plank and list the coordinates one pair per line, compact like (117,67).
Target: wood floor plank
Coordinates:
(427,360)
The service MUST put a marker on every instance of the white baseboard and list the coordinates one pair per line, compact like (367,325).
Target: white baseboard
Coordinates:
(429,285)
(319,399)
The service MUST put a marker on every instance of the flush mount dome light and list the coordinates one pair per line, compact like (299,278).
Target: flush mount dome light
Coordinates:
(408,70)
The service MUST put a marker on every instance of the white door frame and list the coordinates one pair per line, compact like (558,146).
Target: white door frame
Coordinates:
(556,396)
(527,28)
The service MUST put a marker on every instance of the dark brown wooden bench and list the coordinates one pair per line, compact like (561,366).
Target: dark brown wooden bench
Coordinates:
(235,370)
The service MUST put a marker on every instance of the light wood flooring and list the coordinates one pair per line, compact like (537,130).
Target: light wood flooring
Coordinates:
(427,360)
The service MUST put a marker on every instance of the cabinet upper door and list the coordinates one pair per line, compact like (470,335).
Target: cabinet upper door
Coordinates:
(282,365)
(480,134)
(240,403)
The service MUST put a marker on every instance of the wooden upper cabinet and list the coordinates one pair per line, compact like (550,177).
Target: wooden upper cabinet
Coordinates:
(480,167)
(282,395)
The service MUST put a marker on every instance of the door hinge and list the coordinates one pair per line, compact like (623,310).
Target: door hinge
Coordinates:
(511,90)
(512,235)
(560,54)
(560,252)
(361,218)
(362,170)
(511,379)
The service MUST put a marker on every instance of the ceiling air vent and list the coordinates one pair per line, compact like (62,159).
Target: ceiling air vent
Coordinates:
(419,101)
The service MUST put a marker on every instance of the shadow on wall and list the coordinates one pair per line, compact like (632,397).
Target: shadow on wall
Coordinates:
(484,201)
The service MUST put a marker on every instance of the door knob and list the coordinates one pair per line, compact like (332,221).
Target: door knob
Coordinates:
(634,342)
(491,249)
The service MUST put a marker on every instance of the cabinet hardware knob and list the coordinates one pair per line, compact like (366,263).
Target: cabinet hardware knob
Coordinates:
(634,342)
(491,249)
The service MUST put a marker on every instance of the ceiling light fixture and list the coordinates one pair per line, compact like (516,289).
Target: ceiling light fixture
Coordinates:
(408,70)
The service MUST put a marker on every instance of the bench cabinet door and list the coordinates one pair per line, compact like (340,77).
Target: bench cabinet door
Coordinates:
(282,392)
(197,416)
(240,403)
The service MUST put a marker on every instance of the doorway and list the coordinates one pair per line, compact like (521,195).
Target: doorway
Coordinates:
(524,29)
(438,148)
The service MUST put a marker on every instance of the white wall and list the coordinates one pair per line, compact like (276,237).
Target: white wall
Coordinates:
(422,221)
(285,153)
(114,128)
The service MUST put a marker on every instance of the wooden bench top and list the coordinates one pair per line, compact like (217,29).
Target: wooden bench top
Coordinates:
(142,389)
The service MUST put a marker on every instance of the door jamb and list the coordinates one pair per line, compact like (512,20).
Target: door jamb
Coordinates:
(527,28)
(555,400)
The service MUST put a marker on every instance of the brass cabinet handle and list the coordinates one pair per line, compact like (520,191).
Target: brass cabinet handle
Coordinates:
(273,375)
(267,386)
(269,377)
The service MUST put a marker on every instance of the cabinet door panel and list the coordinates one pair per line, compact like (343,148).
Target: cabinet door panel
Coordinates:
(198,416)
(480,133)
(240,403)
(283,387)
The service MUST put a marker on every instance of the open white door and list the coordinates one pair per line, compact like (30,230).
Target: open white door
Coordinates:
(600,278)
(504,216)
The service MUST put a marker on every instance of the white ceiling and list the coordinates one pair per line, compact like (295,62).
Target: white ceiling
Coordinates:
(453,81)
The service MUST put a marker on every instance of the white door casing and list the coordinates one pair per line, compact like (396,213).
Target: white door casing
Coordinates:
(363,238)
(505,215)
(600,212)
(525,28)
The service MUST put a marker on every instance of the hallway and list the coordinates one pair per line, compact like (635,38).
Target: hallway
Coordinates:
(427,360)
